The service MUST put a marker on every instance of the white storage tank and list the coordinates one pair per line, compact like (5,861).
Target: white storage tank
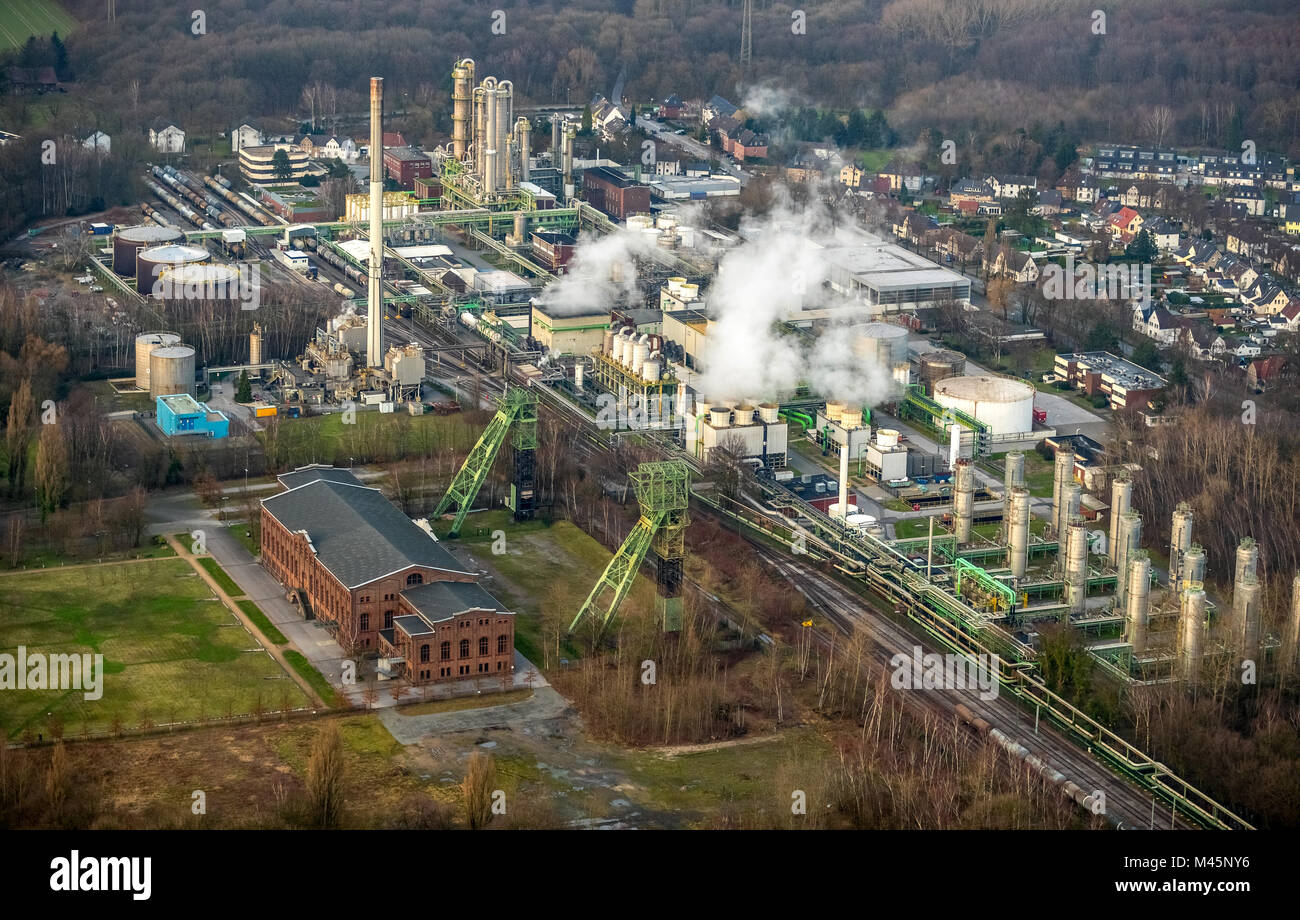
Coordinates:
(880,344)
(1004,404)
(145,343)
(150,263)
(198,281)
(171,371)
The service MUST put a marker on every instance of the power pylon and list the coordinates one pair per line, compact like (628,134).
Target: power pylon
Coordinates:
(747,34)
(663,492)
(517,410)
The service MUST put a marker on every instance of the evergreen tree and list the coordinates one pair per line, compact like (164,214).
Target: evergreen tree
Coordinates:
(60,57)
(244,390)
(586,119)
(1141,249)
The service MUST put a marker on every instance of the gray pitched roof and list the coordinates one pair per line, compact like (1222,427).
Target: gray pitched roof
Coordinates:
(358,534)
(305,474)
(443,600)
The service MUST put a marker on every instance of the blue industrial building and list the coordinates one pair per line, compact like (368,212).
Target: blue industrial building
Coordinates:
(181,413)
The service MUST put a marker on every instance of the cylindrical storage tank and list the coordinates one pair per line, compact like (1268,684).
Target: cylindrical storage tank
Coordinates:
(652,369)
(880,344)
(645,222)
(686,236)
(1076,566)
(150,263)
(769,413)
(1005,405)
(1019,538)
(127,244)
(639,352)
(198,281)
(851,419)
(255,346)
(833,411)
(577,375)
(1138,609)
(940,364)
(1192,622)
(521,225)
(1121,500)
(719,417)
(145,343)
(171,370)
(963,500)
(1130,539)
(887,437)
(1180,540)
(744,414)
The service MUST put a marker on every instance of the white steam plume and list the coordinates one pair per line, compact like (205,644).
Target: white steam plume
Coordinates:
(586,287)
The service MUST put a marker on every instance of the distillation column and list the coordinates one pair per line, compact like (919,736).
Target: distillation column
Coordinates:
(1192,623)
(1121,500)
(462,82)
(1071,498)
(1139,601)
(1180,541)
(1013,475)
(1062,473)
(1130,538)
(1076,567)
(963,500)
(1019,537)
(505,102)
(524,131)
(1245,616)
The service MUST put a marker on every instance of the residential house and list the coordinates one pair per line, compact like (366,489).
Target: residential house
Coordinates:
(1048,203)
(1156,323)
(716,107)
(99,141)
(1009,188)
(851,176)
(1164,234)
(1248,198)
(1124,225)
(1266,298)
(1008,262)
(749,146)
(167,138)
(1288,318)
(671,107)
(32,79)
(970,190)
(916,228)
(246,135)
(1265,370)
(962,247)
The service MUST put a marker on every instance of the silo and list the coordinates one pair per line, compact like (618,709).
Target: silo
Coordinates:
(171,370)
(255,345)
(1019,535)
(145,343)
(1076,565)
(1192,621)
(127,243)
(940,364)
(1121,500)
(1180,540)
(1139,605)
(152,262)
(198,281)
(1130,539)
(963,501)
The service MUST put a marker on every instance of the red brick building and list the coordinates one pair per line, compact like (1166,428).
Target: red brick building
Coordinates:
(614,193)
(405,164)
(553,248)
(380,581)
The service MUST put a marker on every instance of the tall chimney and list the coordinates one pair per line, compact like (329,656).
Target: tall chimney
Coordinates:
(374,329)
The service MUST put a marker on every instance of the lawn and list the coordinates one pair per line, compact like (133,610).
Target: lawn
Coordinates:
(21,19)
(317,680)
(217,572)
(171,651)
(1040,474)
(262,622)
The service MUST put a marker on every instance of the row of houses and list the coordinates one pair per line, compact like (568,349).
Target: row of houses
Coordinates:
(1163,164)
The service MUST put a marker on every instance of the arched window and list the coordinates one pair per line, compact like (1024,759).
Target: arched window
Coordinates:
(464,648)
(501,645)
(444,651)
(424,653)
(415,578)
(483,645)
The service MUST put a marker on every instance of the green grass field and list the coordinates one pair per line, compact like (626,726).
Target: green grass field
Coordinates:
(21,19)
(171,651)
(225,581)
(262,622)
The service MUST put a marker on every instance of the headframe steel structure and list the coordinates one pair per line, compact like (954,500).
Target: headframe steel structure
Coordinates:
(516,410)
(663,492)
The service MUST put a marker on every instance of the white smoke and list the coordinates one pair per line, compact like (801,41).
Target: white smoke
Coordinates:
(766,100)
(587,286)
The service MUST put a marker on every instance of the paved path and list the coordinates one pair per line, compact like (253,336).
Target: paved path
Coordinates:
(545,704)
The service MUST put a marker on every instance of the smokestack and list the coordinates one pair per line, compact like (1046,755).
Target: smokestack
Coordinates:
(1130,539)
(1019,532)
(844,481)
(374,329)
(1139,607)
(1121,500)
(1076,566)
(963,502)
(954,445)
(1180,541)
(1193,625)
